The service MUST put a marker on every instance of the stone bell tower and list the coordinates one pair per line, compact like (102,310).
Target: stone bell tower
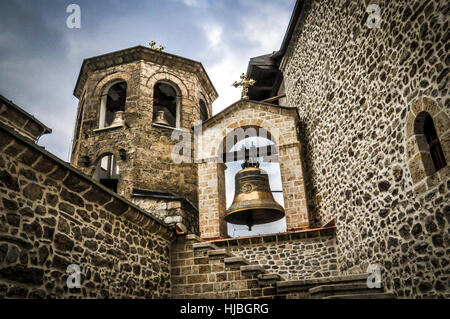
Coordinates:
(131,103)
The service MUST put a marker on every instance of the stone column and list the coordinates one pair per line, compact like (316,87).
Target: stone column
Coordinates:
(295,206)
(212,202)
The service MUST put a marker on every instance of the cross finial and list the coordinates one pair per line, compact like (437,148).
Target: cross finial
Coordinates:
(245,83)
(152,46)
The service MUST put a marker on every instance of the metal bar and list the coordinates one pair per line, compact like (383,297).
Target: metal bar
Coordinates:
(245,154)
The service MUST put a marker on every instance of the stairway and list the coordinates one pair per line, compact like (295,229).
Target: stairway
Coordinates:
(339,287)
(246,269)
(203,270)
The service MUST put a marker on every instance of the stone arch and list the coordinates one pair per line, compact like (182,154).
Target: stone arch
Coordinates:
(108,80)
(200,96)
(178,100)
(170,79)
(98,156)
(281,125)
(101,89)
(418,154)
(216,150)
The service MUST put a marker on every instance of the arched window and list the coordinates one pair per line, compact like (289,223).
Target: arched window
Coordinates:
(165,105)
(107,172)
(203,111)
(437,155)
(113,105)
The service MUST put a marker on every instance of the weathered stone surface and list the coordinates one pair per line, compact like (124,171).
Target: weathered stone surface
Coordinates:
(72,198)
(33,191)
(25,275)
(63,242)
(337,104)
(9,181)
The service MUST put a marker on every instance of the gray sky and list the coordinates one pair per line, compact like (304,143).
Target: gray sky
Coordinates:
(40,57)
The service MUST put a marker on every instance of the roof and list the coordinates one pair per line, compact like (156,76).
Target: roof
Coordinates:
(265,68)
(36,128)
(235,104)
(298,9)
(139,53)
(265,71)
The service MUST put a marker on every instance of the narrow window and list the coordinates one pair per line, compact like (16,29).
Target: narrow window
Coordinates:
(113,105)
(115,102)
(203,111)
(164,105)
(437,155)
(107,172)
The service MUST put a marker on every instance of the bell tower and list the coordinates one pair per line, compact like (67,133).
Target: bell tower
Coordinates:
(132,103)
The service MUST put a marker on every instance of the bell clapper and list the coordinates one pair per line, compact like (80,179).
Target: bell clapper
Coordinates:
(249,222)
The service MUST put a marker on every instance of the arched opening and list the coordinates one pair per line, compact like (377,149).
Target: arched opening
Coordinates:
(165,105)
(428,142)
(265,148)
(437,155)
(107,172)
(203,111)
(113,104)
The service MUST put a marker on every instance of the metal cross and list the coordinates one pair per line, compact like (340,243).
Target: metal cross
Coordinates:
(245,83)
(152,46)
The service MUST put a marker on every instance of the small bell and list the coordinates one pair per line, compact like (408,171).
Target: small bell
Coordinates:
(118,120)
(160,118)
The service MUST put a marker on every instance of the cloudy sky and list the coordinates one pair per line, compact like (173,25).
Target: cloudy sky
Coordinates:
(40,57)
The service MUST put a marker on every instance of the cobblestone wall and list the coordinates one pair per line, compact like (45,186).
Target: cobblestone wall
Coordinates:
(296,259)
(51,216)
(355,88)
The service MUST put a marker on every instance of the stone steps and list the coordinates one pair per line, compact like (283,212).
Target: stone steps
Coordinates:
(265,280)
(219,253)
(235,262)
(303,286)
(348,289)
(363,296)
(252,270)
(204,246)
(248,270)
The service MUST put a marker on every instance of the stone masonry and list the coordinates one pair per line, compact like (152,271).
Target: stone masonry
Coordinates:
(149,163)
(358,91)
(52,216)
(280,123)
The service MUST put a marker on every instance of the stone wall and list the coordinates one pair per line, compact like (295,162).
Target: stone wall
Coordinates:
(52,216)
(178,212)
(294,256)
(355,88)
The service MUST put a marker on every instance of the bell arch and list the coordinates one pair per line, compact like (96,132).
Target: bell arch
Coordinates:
(254,143)
(280,123)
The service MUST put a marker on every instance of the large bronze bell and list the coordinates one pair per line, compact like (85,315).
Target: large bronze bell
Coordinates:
(253,202)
